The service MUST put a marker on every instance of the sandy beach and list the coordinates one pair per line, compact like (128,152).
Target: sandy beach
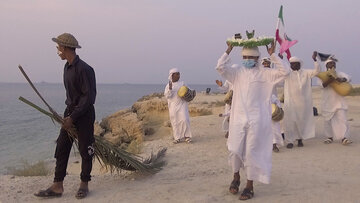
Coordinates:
(199,172)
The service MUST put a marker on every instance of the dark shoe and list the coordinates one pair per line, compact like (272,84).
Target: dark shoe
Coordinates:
(48,193)
(234,187)
(290,145)
(246,194)
(300,143)
(81,193)
(275,148)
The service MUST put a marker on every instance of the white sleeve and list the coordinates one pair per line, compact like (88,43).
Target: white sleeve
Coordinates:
(168,93)
(224,69)
(278,74)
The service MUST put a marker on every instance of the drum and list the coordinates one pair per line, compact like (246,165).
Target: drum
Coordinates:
(228,97)
(186,94)
(277,114)
(342,88)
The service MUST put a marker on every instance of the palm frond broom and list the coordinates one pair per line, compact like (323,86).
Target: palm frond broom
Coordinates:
(109,156)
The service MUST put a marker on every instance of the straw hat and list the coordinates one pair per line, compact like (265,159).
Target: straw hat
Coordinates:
(67,40)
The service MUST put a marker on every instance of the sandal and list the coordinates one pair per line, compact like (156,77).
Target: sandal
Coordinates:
(234,187)
(48,193)
(176,141)
(328,140)
(188,139)
(246,194)
(346,141)
(275,148)
(81,193)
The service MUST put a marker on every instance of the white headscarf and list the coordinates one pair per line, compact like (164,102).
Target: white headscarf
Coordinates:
(330,59)
(296,59)
(171,71)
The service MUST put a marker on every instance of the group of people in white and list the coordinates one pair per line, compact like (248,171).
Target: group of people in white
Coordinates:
(251,134)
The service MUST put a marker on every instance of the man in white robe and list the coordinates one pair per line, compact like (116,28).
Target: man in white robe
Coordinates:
(276,130)
(178,108)
(227,86)
(334,109)
(298,105)
(250,139)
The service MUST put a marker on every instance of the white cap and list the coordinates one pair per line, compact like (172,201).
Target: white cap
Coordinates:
(253,51)
(296,59)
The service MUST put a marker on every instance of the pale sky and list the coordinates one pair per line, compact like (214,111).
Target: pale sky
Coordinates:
(138,41)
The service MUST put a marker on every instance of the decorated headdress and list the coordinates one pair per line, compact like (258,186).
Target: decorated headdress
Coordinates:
(251,41)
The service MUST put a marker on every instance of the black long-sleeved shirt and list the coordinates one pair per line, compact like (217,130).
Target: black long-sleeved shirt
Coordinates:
(80,86)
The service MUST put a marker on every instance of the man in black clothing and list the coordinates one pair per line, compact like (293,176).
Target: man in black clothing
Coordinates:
(80,86)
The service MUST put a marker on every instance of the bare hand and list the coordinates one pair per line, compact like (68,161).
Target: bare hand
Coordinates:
(314,55)
(341,79)
(271,50)
(219,82)
(170,85)
(280,56)
(220,115)
(68,123)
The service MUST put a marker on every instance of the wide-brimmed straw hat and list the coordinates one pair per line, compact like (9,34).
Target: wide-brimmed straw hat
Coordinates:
(67,40)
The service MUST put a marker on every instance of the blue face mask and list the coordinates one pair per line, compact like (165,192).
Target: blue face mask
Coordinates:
(249,63)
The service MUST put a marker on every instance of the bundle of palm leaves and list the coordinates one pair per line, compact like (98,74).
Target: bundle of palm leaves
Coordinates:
(109,156)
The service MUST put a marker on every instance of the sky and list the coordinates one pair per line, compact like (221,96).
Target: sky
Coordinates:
(138,41)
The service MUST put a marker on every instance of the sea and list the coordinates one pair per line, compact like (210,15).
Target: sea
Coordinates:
(26,135)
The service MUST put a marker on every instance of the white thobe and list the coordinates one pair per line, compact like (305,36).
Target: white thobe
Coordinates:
(178,111)
(276,130)
(250,139)
(298,105)
(334,110)
(227,86)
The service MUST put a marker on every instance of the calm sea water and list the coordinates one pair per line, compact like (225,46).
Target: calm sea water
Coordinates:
(28,135)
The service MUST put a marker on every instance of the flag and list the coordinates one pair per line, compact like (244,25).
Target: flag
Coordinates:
(286,42)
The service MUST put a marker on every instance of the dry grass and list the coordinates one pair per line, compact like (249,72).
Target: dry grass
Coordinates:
(355,91)
(37,169)
(150,96)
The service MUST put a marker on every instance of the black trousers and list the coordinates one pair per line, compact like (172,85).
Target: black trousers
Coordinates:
(85,129)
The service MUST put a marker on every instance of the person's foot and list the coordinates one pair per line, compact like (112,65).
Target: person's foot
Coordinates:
(82,191)
(247,193)
(188,140)
(227,134)
(275,148)
(176,141)
(55,190)
(345,141)
(234,186)
(328,140)
(300,143)
(290,145)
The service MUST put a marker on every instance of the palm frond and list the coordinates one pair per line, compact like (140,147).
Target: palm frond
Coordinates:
(110,156)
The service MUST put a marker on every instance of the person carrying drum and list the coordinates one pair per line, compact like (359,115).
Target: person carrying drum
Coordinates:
(334,107)
(227,87)
(178,108)
(276,130)
(249,141)
(298,105)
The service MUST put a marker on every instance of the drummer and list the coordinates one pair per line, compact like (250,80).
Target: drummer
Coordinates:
(334,108)
(178,108)
(276,130)
(227,87)
(298,105)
